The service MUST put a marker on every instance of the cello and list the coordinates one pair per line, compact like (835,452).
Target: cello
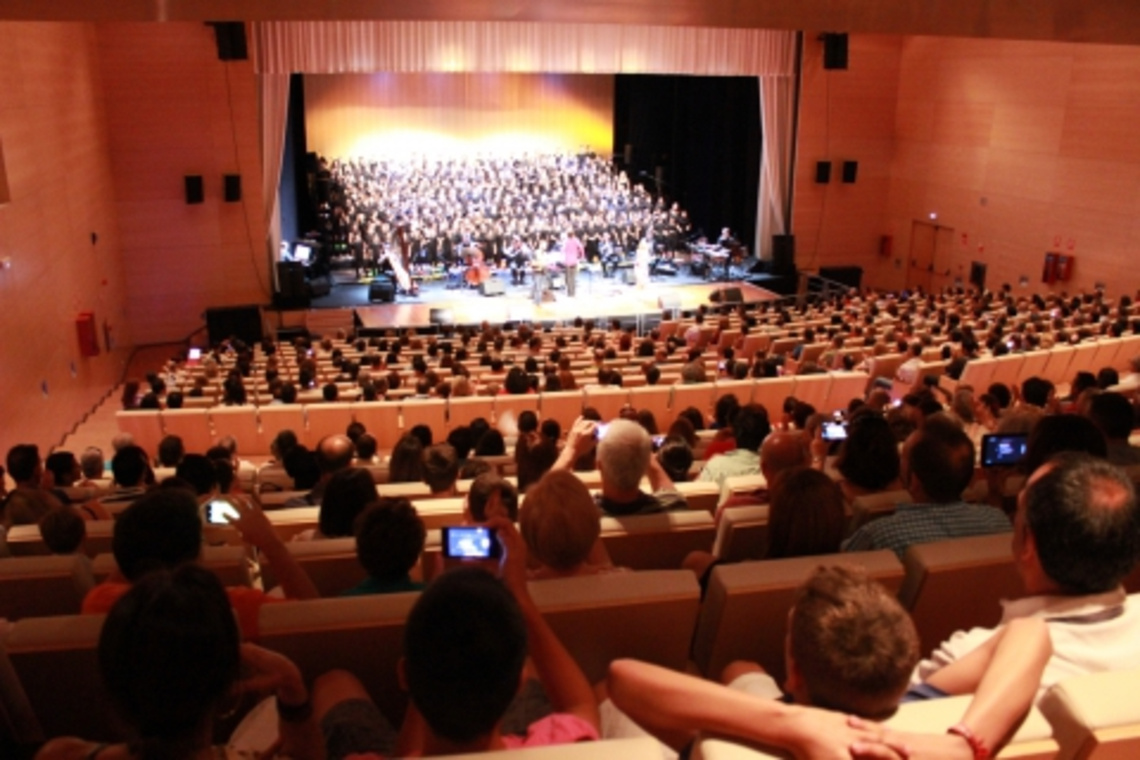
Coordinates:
(477,270)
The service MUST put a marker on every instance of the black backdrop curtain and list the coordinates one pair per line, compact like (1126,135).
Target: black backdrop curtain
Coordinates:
(704,134)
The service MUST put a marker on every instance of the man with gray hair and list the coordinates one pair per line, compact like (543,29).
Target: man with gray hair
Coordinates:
(625,456)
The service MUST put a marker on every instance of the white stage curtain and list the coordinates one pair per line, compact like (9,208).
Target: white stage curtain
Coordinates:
(337,47)
(274,113)
(777,124)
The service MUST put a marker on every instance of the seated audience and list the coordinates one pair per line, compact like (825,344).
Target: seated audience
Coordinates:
(389,541)
(347,494)
(750,427)
(465,644)
(782,451)
(406,465)
(938,465)
(441,469)
(333,454)
(63,530)
(868,459)
(130,468)
(170,656)
(676,458)
(562,528)
(624,457)
(29,500)
(1113,414)
(91,464)
(1054,433)
(491,496)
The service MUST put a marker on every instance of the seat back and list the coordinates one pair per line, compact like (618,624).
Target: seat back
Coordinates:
(42,586)
(1007,369)
(1094,717)
(1083,356)
(564,406)
(144,426)
(1033,365)
(1106,351)
(864,509)
(609,400)
(753,342)
(242,423)
(192,426)
(362,634)
(977,373)
(381,419)
(431,412)
(698,395)
(1033,739)
(742,534)
(463,410)
(844,387)
(55,659)
(657,541)
(957,584)
(745,612)
(601,618)
(329,562)
(702,496)
(277,417)
(326,419)
(813,389)
(655,398)
(770,393)
(25,540)
(1057,368)
(742,389)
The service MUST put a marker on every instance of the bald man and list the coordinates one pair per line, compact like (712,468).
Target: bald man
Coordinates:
(334,453)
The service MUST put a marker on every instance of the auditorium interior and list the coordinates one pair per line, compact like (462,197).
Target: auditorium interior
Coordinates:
(153,161)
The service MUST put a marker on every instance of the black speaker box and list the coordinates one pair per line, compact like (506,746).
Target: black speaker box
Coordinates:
(783,254)
(729,295)
(194,190)
(242,322)
(834,51)
(230,37)
(850,171)
(232,187)
(291,279)
(382,289)
(492,287)
(822,172)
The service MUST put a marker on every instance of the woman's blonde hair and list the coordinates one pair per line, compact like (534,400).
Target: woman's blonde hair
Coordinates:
(559,521)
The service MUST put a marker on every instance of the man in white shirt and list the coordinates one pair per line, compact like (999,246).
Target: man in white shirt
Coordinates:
(1076,536)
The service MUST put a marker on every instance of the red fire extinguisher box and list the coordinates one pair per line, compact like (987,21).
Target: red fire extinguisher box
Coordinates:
(88,336)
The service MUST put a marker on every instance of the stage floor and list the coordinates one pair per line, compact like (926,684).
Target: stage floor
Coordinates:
(597,298)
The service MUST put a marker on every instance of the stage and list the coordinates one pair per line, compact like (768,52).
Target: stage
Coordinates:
(597,298)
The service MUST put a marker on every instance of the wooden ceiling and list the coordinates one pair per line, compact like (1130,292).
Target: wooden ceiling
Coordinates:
(1102,21)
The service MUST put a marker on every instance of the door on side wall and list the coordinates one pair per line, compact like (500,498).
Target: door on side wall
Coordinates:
(920,260)
(942,273)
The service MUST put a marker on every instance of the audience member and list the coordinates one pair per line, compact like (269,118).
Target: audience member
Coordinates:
(491,496)
(333,454)
(750,427)
(389,541)
(406,465)
(562,528)
(868,458)
(1112,413)
(63,530)
(441,469)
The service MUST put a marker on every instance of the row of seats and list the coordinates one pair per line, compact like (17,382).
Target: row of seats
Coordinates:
(601,618)
(255,427)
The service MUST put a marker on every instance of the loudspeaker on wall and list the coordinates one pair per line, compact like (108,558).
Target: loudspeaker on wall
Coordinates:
(850,171)
(822,172)
(231,187)
(834,51)
(230,38)
(783,254)
(194,191)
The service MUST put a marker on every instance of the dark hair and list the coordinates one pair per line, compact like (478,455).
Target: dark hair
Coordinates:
(486,485)
(62,466)
(805,515)
(1055,433)
(1000,392)
(491,444)
(159,530)
(62,530)
(1085,523)
(198,470)
(406,464)
(170,451)
(346,494)
(1107,377)
(869,457)
(1112,413)
(129,466)
(725,409)
(676,458)
(750,427)
(23,459)
(168,654)
(423,432)
(440,466)
(528,421)
(389,538)
(694,416)
(301,465)
(465,645)
(1035,391)
(366,446)
(942,459)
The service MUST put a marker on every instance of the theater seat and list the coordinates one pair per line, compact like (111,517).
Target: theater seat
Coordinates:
(657,541)
(647,615)
(957,585)
(329,562)
(42,586)
(25,540)
(144,426)
(55,660)
(1095,716)
(192,426)
(745,612)
(864,509)
(742,534)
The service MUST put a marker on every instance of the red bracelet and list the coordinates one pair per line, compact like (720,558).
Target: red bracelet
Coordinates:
(975,742)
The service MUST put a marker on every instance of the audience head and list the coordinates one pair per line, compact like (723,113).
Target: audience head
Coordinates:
(782,451)
(491,496)
(1112,413)
(129,466)
(560,521)
(301,465)
(938,462)
(346,494)
(623,455)
(491,444)
(441,467)
(423,433)
(334,453)
(159,530)
(170,451)
(24,464)
(1054,433)
(676,458)
(1077,527)
(200,472)
(806,515)
(91,463)
(750,427)
(464,649)
(63,530)
(63,468)
(406,464)
(1036,391)
(284,442)
(169,656)
(366,447)
(869,457)
(389,539)
(852,646)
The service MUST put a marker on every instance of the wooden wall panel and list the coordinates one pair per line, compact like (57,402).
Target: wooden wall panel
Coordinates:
(1020,148)
(55,149)
(174,109)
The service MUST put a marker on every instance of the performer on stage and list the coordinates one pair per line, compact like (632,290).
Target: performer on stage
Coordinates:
(519,257)
(572,254)
(641,261)
(609,254)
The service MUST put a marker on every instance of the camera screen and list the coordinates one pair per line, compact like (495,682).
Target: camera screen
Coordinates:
(472,542)
(221,512)
(600,430)
(834,431)
(1003,450)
